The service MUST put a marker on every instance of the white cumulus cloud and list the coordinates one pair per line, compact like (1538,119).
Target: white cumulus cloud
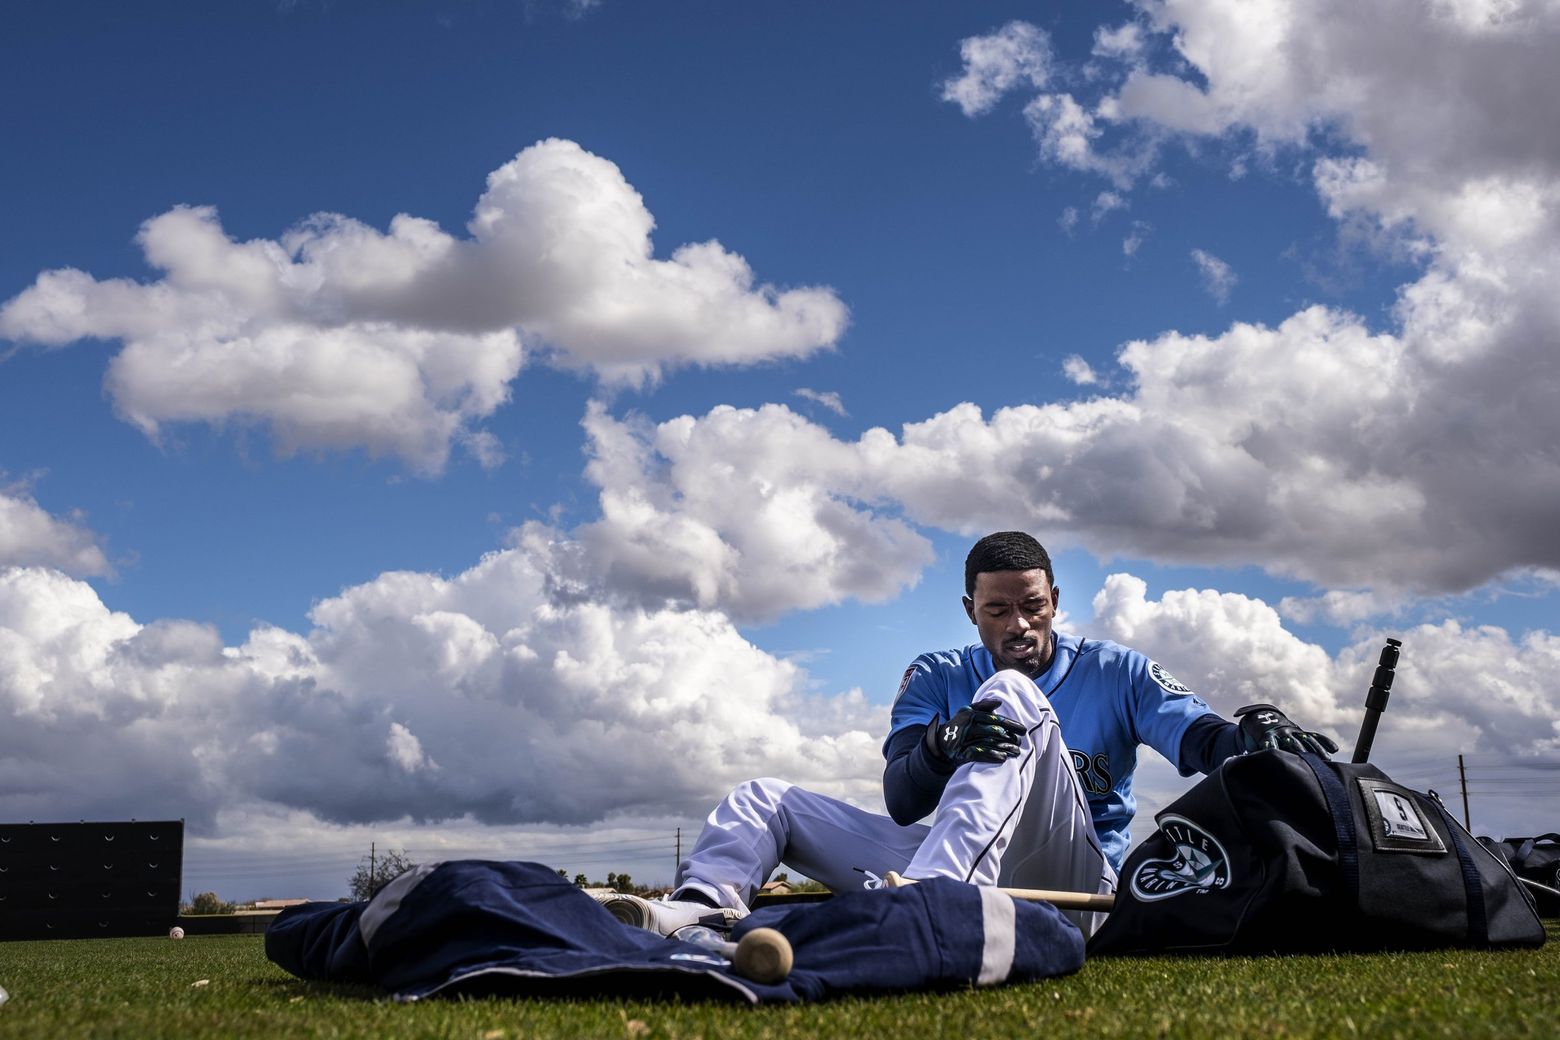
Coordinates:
(1013,57)
(495,700)
(1079,371)
(1124,42)
(825,398)
(1217,276)
(1106,202)
(337,335)
(1141,229)
(484,697)
(1470,688)
(1407,459)
(753,512)
(1314,449)
(1069,134)
(406,750)
(30,534)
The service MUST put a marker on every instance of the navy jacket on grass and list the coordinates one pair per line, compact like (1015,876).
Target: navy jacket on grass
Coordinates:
(481,926)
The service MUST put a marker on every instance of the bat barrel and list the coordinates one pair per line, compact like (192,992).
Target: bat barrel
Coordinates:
(763,954)
(1376,699)
(1367,735)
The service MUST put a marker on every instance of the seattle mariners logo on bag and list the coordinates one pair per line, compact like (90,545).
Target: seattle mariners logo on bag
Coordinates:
(1200,863)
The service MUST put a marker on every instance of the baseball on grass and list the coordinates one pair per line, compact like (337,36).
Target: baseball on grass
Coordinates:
(4,996)
(176,932)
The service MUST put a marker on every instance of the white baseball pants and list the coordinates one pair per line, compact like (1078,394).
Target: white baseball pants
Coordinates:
(1021,823)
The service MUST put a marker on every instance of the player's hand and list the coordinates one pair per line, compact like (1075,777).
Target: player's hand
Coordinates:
(974,734)
(1264,726)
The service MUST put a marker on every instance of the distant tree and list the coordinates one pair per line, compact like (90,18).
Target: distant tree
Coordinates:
(208,903)
(374,873)
(615,881)
(563,873)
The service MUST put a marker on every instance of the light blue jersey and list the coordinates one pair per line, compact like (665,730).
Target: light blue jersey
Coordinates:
(1108,698)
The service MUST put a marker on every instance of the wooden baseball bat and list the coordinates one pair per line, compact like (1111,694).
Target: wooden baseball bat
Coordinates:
(1063,900)
(763,955)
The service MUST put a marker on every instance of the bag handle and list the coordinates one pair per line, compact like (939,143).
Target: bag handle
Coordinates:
(1519,858)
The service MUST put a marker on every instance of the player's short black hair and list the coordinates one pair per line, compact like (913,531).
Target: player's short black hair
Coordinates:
(1006,551)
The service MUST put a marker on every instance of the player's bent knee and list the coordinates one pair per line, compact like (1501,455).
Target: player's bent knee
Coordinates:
(764,791)
(1017,693)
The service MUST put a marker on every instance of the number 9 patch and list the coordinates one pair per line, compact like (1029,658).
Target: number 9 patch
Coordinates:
(1398,823)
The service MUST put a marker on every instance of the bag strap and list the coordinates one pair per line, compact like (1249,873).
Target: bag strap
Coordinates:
(1343,822)
(1478,915)
(1519,858)
(1551,837)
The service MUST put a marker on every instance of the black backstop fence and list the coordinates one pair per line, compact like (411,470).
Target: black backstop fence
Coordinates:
(89,880)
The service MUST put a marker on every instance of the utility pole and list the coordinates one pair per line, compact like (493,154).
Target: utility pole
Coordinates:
(373,882)
(678,864)
(1462,774)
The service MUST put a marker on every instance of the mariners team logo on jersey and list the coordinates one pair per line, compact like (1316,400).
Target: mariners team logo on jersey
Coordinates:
(1200,863)
(1157,672)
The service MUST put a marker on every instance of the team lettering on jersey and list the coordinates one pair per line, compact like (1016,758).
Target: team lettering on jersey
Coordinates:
(1093,772)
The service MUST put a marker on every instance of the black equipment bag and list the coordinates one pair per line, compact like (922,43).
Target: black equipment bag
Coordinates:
(1537,859)
(1277,852)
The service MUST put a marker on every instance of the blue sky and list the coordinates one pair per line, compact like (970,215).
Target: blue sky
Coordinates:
(1249,320)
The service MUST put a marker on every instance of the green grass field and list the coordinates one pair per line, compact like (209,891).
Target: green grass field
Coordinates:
(154,988)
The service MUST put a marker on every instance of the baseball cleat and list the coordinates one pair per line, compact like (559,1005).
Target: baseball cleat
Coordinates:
(665,916)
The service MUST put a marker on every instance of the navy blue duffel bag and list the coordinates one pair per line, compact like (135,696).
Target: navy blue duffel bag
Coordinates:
(1279,852)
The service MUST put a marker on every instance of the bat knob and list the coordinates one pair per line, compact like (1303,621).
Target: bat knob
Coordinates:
(763,955)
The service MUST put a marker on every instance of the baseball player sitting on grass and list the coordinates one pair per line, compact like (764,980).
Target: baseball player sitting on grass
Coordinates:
(1021,747)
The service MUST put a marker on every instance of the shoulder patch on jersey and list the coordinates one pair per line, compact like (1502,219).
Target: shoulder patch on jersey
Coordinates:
(904,683)
(1200,863)
(1157,672)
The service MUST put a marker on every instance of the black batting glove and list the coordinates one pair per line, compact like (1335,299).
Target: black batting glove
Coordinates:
(1264,726)
(974,734)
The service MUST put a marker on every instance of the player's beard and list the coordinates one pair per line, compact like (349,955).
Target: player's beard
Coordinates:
(1031,655)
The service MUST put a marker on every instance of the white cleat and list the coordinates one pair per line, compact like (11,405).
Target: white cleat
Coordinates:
(665,916)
